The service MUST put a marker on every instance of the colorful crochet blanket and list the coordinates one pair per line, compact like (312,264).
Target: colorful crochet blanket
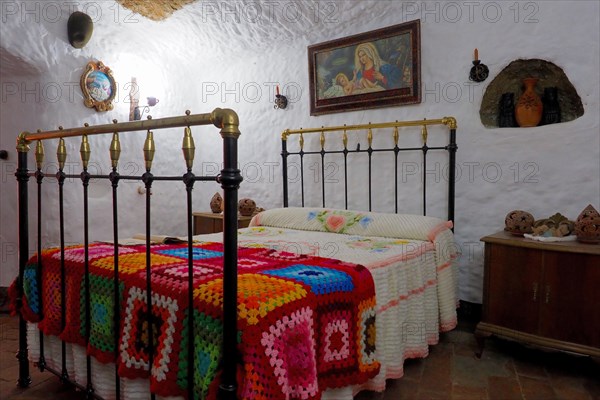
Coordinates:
(305,323)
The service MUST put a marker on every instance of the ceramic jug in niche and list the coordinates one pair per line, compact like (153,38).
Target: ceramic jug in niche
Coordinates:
(528,110)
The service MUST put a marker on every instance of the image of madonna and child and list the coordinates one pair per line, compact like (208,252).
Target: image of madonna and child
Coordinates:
(371,74)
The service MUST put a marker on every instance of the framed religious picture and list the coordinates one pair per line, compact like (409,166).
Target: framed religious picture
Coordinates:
(380,68)
(98,86)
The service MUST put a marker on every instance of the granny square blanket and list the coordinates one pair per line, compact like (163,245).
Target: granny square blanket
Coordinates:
(305,323)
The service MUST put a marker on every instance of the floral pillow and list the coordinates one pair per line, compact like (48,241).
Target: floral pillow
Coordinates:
(403,226)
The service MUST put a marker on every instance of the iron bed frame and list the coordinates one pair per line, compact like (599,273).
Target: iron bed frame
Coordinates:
(450,147)
(229,178)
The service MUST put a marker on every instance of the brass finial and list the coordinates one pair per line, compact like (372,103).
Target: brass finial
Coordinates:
(61,153)
(115,149)
(370,136)
(322,140)
(301,141)
(396,136)
(85,151)
(188,147)
(149,149)
(345,138)
(424,133)
(39,154)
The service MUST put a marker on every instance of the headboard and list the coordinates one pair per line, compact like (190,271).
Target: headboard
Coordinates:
(390,127)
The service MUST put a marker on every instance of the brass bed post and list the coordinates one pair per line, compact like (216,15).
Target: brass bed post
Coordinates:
(230,180)
(22,175)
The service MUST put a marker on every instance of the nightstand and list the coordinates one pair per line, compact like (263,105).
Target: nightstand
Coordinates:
(541,293)
(206,222)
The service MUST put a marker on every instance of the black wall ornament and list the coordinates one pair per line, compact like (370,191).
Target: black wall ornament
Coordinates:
(79,29)
(479,72)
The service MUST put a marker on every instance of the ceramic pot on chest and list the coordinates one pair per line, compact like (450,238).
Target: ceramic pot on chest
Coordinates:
(528,110)
(587,225)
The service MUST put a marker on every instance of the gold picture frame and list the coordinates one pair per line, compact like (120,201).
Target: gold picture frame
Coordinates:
(380,68)
(98,86)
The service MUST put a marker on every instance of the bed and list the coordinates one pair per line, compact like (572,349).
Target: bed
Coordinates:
(399,266)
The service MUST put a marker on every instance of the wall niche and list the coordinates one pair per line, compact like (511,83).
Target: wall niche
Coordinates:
(510,80)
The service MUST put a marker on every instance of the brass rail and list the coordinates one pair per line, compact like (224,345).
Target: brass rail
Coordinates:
(450,122)
(225,119)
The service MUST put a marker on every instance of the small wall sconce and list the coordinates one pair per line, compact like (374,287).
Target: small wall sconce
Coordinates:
(138,112)
(280,100)
(479,72)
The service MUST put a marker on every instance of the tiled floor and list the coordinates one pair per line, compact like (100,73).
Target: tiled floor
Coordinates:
(506,371)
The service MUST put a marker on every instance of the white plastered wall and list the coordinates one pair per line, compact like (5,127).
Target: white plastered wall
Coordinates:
(231,54)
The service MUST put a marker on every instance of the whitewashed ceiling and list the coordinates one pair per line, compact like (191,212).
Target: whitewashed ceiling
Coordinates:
(34,34)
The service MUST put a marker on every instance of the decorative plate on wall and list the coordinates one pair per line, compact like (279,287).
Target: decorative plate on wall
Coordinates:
(98,86)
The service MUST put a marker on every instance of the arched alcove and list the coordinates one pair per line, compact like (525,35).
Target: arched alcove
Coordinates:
(510,80)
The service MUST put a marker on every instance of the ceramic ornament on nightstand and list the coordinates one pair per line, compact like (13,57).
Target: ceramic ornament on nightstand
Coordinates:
(587,225)
(216,203)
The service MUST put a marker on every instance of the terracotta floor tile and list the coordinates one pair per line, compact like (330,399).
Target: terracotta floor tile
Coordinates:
(530,368)
(437,375)
(501,388)
(460,392)
(429,395)
(401,389)
(537,389)
(413,369)
(592,385)
(506,371)
(567,387)
(474,372)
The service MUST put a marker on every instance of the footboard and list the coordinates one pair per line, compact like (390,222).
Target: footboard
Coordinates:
(229,178)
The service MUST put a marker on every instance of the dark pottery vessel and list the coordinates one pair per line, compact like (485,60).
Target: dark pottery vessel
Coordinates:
(79,29)
(551,112)
(506,111)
